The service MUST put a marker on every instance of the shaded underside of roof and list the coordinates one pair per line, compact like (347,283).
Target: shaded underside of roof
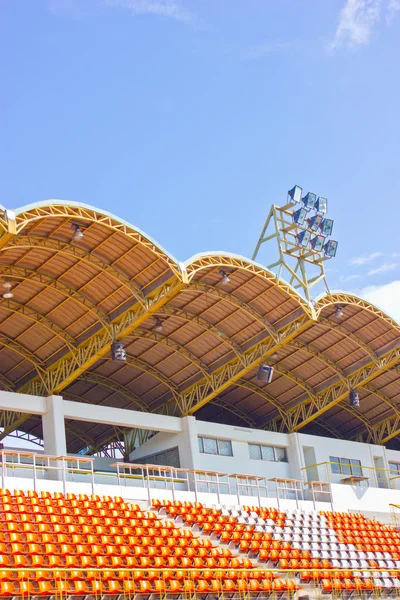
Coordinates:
(67,292)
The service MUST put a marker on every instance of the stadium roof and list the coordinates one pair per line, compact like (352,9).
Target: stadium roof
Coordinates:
(72,299)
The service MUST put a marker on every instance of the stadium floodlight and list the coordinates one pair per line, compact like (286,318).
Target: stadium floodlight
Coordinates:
(295,194)
(224,277)
(78,234)
(338,312)
(309,200)
(326,227)
(158,327)
(314,223)
(354,398)
(330,248)
(299,216)
(321,205)
(118,351)
(317,243)
(304,237)
(265,373)
(7,291)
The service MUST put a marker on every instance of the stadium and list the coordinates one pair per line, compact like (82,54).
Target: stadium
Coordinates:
(206,428)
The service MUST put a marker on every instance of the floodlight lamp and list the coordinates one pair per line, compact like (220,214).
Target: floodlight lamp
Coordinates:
(78,234)
(354,398)
(118,351)
(309,200)
(299,216)
(317,243)
(321,205)
(326,227)
(295,194)
(224,277)
(303,238)
(274,356)
(314,222)
(330,248)
(338,312)
(158,327)
(265,373)
(7,293)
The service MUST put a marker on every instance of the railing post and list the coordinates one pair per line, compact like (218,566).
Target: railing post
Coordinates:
(148,485)
(34,472)
(92,473)
(3,469)
(64,476)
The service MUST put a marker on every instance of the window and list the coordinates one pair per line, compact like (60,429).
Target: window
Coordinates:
(271,453)
(167,458)
(345,466)
(213,446)
(394,468)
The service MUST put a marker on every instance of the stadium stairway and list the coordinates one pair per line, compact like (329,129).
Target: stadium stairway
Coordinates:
(56,545)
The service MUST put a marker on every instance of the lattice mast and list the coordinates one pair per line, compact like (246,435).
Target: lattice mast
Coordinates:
(301,231)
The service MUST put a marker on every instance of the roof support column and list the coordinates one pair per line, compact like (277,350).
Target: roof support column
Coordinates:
(54,439)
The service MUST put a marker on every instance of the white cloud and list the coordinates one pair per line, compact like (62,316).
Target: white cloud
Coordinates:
(386,297)
(162,8)
(344,278)
(366,258)
(383,268)
(358,18)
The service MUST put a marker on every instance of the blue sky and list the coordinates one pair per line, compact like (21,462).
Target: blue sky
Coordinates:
(189,118)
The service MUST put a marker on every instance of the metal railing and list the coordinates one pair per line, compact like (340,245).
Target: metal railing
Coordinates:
(350,474)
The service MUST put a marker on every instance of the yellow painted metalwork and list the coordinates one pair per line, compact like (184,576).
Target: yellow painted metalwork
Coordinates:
(11,272)
(198,394)
(294,262)
(11,306)
(108,383)
(90,215)
(306,411)
(60,374)
(208,261)
(59,247)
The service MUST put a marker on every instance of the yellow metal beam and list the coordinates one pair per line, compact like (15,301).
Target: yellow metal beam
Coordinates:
(306,411)
(64,371)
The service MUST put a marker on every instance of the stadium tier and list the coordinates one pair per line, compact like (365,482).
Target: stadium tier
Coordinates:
(201,428)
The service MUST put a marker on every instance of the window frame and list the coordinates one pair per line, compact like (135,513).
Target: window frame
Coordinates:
(274,449)
(218,441)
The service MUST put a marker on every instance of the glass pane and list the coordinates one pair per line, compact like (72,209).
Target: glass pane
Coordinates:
(200,440)
(255,451)
(356,468)
(335,464)
(210,446)
(345,466)
(280,454)
(173,458)
(224,447)
(267,453)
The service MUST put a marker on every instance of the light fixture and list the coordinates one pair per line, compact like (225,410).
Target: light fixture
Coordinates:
(321,205)
(309,200)
(326,227)
(304,237)
(274,356)
(299,216)
(314,223)
(338,312)
(317,243)
(224,277)
(354,398)
(8,293)
(118,351)
(158,327)
(77,236)
(330,248)
(265,373)
(295,194)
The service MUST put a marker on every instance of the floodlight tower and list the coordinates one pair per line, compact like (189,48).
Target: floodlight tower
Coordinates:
(301,230)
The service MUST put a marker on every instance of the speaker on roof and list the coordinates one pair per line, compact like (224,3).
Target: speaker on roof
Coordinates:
(265,373)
